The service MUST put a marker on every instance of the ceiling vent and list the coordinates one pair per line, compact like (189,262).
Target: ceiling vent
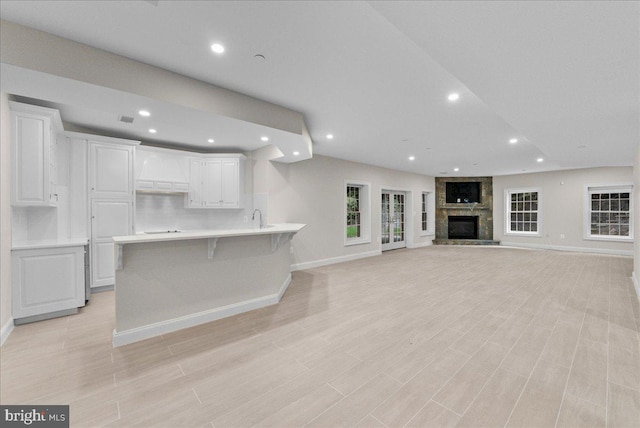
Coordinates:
(125,119)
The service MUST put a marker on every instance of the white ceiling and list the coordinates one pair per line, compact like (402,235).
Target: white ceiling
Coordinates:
(555,75)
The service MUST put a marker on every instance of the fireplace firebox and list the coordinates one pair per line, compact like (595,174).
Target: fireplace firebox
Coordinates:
(463,227)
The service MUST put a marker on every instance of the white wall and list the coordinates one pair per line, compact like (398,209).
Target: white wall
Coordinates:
(5,211)
(312,192)
(636,224)
(561,195)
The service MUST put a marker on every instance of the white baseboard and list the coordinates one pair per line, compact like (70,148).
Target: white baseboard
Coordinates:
(333,260)
(573,249)
(145,332)
(6,331)
(636,285)
(102,288)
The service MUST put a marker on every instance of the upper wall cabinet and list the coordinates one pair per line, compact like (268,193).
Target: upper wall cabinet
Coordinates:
(216,181)
(33,139)
(111,170)
(161,170)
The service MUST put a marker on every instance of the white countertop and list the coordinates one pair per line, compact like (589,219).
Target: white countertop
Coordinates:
(49,243)
(203,234)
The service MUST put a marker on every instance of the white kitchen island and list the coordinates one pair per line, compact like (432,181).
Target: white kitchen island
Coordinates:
(170,281)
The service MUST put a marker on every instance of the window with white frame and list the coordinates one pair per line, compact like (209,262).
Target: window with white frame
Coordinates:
(357,213)
(424,217)
(427,219)
(608,212)
(522,212)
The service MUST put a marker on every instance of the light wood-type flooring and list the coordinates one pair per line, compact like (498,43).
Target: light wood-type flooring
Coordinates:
(438,336)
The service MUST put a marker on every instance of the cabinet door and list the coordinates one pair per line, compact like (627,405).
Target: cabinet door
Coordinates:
(110,171)
(212,183)
(230,180)
(31,143)
(47,280)
(195,184)
(109,218)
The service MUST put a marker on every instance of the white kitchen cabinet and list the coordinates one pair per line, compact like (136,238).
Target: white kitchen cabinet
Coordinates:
(216,182)
(111,201)
(33,145)
(160,170)
(194,198)
(46,280)
(109,218)
(230,183)
(110,171)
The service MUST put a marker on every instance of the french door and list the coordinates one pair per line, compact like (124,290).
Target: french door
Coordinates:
(393,220)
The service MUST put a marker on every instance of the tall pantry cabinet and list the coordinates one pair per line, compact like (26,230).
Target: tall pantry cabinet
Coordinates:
(111,202)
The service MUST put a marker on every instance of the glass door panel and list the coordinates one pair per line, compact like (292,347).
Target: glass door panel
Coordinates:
(385,220)
(392,221)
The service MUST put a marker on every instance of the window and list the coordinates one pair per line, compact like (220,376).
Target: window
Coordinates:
(423,220)
(522,209)
(357,213)
(353,212)
(427,223)
(608,212)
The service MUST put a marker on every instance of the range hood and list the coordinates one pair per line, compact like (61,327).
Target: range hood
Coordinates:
(161,170)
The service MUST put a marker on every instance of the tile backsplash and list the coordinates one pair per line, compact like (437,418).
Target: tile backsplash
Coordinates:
(157,212)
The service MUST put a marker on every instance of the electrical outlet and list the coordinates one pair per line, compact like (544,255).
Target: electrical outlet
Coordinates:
(562,236)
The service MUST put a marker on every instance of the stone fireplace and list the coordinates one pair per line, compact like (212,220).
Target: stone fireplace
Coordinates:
(464,210)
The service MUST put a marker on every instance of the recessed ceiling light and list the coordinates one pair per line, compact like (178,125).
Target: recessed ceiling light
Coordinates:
(210,140)
(329,136)
(264,138)
(296,153)
(412,158)
(454,96)
(153,131)
(582,147)
(456,169)
(260,57)
(513,140)
(217,48)
(540,160)
(144,113)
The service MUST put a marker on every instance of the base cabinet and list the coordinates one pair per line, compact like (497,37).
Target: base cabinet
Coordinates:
(47,280)
(109,218)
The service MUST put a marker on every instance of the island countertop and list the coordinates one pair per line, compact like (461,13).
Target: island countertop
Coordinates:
(169,281)
(204,234)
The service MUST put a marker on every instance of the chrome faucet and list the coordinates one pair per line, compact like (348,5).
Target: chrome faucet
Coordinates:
(253,217)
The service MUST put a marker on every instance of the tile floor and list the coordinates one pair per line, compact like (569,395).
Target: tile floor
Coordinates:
(439,336)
